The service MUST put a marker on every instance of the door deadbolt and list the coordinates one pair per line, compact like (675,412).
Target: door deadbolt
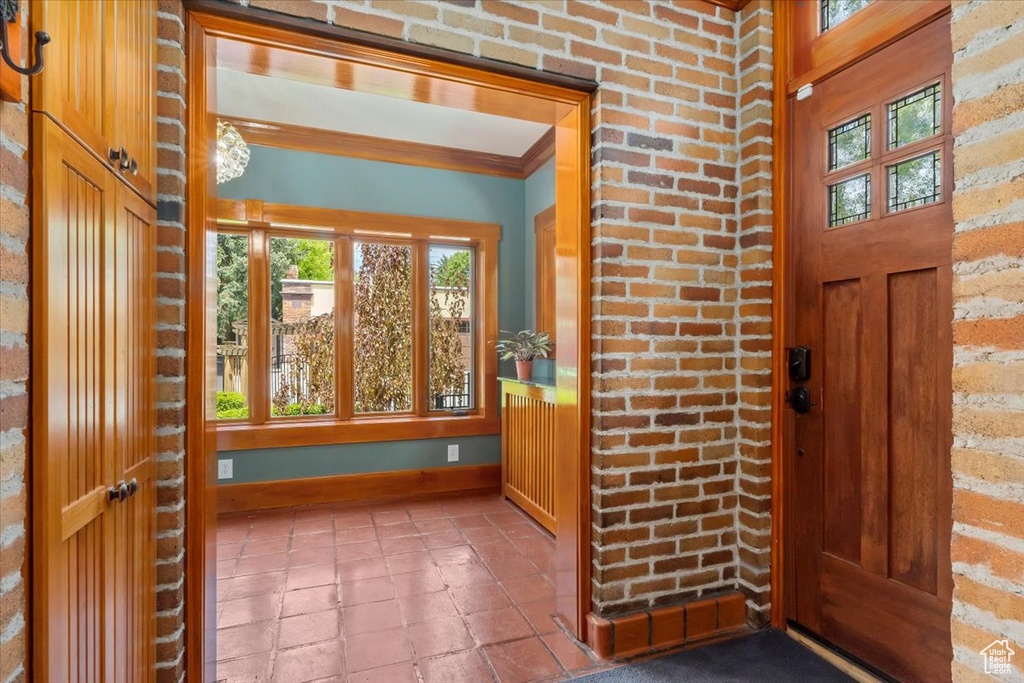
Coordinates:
(799,363)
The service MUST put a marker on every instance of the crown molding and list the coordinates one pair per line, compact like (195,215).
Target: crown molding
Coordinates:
(539,153)
(308,139)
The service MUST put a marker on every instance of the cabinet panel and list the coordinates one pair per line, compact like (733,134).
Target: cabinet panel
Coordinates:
(76,87)
(100,80)
(134,60)
(130,392)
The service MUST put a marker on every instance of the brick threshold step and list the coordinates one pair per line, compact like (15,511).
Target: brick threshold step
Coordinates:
(654,630)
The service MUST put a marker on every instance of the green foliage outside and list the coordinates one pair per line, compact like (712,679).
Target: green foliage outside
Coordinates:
(231,405)
(293,409)
(449,300)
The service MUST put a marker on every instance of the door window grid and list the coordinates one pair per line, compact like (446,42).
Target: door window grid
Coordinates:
(849,201)
(915,182)
(849,143)
(835,12)
(915,117)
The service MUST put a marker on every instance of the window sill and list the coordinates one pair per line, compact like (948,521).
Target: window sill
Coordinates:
(236,437)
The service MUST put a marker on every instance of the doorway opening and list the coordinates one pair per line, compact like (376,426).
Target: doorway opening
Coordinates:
(378,219)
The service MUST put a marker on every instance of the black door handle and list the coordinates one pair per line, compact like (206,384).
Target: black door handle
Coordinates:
(799,399)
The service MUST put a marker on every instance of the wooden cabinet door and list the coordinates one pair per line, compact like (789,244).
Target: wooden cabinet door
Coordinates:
(72,425)
(134,66)
(99,83)
(93,419)
(77,87)
(130,377)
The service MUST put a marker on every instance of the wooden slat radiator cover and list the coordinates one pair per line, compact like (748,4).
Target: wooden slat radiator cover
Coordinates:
(528,449)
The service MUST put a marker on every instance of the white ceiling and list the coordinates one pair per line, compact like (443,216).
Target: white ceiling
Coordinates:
(280,100)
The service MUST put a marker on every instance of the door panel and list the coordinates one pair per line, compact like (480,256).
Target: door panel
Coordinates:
(131,331)
(72,469)
(134,61)
(870,487)
(100,85)
(76,87)
(93,419)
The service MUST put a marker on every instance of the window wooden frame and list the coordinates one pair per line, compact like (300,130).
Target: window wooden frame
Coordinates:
(544,269)
(262,221)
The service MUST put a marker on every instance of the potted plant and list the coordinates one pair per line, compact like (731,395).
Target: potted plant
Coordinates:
(524,346)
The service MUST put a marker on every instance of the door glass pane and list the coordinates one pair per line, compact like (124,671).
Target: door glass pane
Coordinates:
(451,379)
(915,117)
(915,182)
(301,326)
(834,12)
(849,143)
(232,327)
(849,200)
(382,342)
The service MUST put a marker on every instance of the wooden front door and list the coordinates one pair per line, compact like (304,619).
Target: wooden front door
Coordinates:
(869,463)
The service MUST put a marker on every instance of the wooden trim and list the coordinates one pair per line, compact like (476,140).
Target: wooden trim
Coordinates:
(854,671)
(780,290)
(734,5)
(238,214)
(815,56)
(390,50)
(200,470)
(572,415)
(345,487)
(287,432)
(326,141)
(538,154)
(10,80)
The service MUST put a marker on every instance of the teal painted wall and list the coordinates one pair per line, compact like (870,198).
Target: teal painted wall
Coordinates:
(269,464)
(311,179)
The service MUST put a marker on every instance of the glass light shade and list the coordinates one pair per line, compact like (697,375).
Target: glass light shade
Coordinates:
(232,153)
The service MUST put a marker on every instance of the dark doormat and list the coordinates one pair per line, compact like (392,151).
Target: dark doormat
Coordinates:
(767,655)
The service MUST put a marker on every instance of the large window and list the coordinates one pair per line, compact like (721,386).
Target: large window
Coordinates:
(340,326)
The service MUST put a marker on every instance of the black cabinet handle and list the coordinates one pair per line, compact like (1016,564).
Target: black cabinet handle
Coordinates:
(126,162)
(133,486)
(118,492)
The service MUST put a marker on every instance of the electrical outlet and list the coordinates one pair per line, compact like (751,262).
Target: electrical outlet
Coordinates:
(225,469)
(453,452)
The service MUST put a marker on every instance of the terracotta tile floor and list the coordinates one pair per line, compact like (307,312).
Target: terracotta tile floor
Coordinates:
(454,589)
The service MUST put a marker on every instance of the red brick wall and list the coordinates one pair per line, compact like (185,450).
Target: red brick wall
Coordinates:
(171,340)
(14,374)
(754,308)
(988,330)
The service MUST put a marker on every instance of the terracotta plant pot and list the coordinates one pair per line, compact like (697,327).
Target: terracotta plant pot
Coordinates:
(524,369)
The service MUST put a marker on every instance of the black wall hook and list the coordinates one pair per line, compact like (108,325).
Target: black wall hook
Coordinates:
(9,14)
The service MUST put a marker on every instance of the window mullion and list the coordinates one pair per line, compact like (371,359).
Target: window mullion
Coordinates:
(420,326)
(343,331)
(259,327)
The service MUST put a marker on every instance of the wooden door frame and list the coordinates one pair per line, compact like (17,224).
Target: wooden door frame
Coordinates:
(207,20)
(785,82)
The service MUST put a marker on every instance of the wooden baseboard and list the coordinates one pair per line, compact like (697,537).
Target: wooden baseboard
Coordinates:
(347,487)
